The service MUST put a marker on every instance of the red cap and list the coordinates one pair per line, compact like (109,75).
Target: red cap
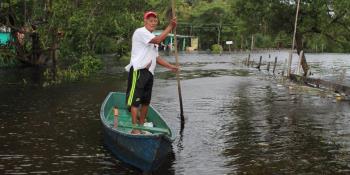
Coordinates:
(149,13)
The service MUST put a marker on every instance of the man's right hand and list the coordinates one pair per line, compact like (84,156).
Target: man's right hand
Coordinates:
(173,22)
(174,68)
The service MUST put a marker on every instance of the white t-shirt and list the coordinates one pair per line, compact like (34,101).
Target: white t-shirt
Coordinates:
(143,53)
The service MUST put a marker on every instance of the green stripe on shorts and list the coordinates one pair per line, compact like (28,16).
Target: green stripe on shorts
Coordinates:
(133,86)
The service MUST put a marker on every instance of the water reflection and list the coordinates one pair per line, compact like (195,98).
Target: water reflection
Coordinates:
(279,135)
(238,121)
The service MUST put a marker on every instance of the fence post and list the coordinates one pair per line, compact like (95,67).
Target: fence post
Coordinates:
(248,59)
(284,66)
(274,65)
(289,71)
(259,63)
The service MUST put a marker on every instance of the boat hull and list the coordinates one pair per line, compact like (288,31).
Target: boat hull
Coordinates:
(145,152)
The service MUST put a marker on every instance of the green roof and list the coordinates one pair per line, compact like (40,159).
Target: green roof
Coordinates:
(4,38)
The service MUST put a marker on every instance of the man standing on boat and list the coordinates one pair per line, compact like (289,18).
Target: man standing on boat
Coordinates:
(144,57)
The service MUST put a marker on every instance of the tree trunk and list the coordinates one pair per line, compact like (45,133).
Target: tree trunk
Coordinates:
(242,40)
(252,43)
(25,11)
(219,33)
(299,47)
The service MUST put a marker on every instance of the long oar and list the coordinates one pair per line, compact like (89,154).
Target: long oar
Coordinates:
(177,64)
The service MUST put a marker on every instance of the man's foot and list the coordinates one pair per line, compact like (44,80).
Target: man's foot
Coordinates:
(115,111)
(135,132)
(146,133)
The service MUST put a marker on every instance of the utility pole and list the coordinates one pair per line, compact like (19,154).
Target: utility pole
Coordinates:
(291,51)
(252,44)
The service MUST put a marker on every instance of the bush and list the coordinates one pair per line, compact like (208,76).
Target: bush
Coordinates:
(216,49)
(83,68)
(263,41)
(7,59)
(87,65)
(106,44)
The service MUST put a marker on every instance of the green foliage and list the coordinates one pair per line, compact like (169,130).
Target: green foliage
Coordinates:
(263,41)
(87,65)
(209,18)
(216,49)
(106,44)
(7,59)
(126,57)
(282,40)
(93,27)
(328,20)
(83,68)
(316,43)
(97,26)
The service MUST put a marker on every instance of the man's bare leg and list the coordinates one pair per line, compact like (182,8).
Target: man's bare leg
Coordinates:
(144,110)
(134,119)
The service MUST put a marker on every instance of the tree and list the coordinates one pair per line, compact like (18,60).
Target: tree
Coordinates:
(75,27)
(209,19)
(327,20)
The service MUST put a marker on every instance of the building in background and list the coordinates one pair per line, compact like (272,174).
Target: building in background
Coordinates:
(185,42)
(5,35)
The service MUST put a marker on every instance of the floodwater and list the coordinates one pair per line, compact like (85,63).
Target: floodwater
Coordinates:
(238,120)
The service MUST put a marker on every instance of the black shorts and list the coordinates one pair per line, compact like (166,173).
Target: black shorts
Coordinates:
(139,90)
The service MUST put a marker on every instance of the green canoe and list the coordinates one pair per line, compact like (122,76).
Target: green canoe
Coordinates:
(144,151)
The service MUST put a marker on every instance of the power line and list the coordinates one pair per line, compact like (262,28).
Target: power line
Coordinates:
(200,25)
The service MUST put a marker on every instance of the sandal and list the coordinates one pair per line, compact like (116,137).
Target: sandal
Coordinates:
(135,132)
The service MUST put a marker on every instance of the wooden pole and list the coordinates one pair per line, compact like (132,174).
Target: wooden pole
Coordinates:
(293,43)
(242,42)
(177,64)
(259,63)
(274,65)
(284,67)
(252,44)
(248,59)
